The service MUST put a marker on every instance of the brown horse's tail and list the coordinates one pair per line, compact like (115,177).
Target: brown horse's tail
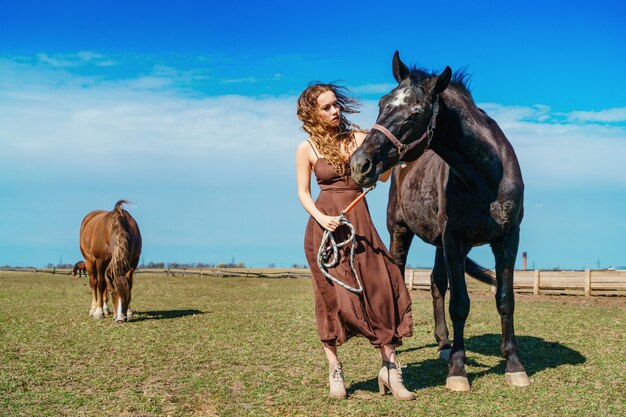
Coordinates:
(119,265)
(476,271)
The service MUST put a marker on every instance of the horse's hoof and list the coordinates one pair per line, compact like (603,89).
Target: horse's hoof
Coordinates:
(98,315)
(517,379)
(129,316)
(444,354)
(457,383)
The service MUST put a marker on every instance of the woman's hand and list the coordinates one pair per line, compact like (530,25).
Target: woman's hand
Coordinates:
(329,223)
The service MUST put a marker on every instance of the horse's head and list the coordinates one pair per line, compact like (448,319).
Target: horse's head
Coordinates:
(405,114)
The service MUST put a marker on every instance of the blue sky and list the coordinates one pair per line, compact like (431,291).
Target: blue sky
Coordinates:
(187,109)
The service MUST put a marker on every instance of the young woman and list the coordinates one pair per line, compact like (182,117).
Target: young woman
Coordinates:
(382,312)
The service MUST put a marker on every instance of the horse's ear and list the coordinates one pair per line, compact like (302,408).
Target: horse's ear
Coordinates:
(443,81)
(400,71)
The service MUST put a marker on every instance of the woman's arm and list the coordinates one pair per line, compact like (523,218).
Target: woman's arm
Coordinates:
(304,163)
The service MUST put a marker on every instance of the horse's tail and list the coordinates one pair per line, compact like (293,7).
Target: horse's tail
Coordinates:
(476,271)
(119,265)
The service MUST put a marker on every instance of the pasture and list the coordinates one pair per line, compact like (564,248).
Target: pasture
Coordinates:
(205,346)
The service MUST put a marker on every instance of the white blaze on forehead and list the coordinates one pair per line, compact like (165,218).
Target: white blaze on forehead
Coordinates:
(400,97)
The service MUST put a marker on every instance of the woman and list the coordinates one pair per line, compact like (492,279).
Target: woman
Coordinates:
(382,312)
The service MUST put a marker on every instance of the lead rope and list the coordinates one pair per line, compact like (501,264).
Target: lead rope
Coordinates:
(326,249)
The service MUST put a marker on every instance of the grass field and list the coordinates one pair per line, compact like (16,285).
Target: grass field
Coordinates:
(249,347)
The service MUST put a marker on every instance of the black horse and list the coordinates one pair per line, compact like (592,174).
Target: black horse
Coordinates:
(462,187)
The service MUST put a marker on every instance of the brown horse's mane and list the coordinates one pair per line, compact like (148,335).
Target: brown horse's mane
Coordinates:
(119,265)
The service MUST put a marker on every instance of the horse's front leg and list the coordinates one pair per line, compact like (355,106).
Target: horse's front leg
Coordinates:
(400,243)
(438,288)
(455,254)
(505,251)
(105,300)
(100,290)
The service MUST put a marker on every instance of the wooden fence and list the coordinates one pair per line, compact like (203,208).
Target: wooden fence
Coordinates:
(587,282)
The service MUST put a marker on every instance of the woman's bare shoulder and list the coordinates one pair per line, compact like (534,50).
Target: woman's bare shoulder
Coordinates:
(305,150)
(302,146)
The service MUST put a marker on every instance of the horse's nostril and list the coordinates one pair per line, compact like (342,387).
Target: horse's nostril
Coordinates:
(367,167)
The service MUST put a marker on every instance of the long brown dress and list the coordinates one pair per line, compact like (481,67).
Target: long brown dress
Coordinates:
(382,313)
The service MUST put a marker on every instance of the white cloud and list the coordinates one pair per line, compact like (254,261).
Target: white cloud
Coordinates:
(615,115)
(50,113)
(562,152)
(74,60)
(240,80)
(59,118)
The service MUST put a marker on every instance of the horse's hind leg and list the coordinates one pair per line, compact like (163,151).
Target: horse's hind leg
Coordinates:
(505,251)
(438,288)
(93,283)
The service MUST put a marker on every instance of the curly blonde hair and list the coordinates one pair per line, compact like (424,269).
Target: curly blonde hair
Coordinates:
(331,142)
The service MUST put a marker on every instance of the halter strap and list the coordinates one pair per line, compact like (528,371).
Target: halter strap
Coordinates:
(404,148)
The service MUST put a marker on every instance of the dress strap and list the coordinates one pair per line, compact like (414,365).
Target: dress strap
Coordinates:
(313,147)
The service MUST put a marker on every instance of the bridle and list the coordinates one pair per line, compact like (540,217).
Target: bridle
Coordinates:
(428,134)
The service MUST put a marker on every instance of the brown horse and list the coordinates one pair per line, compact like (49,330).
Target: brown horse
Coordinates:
(80,268)
(111,244)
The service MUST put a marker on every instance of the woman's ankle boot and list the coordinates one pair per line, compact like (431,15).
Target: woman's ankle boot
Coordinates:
(335,377)
(390,378)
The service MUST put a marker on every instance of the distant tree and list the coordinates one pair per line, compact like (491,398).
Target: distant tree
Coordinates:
(272,265)
(231,265)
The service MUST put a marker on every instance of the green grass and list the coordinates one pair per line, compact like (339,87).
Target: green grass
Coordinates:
(249,347)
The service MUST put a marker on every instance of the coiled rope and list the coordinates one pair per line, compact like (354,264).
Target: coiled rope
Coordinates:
(328,253)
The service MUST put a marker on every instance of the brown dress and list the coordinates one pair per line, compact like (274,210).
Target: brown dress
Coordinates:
(382,313)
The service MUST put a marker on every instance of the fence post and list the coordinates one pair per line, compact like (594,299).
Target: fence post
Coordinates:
(200,272)
(587,282)
(411,278)
(536,282)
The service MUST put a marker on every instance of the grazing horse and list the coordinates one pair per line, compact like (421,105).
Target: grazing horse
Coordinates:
(111,245)
(80,268)
(462,188)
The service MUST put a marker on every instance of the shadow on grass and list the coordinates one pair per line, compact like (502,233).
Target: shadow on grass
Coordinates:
(162,315)
(536,353)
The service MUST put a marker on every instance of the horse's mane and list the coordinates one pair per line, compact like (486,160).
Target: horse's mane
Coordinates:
(460,79)
(119,264)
